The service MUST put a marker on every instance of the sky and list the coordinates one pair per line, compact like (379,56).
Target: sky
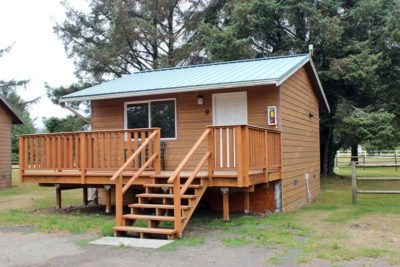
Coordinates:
(37,54)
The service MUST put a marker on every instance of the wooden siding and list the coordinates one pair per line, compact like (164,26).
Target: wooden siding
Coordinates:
(300,140)
(192,118)
(5,148)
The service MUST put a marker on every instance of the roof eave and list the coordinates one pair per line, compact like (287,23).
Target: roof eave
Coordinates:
(168,91)
(289,73)
(319,84)
(16,119)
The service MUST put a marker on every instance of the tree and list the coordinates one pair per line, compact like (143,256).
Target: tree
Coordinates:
(119,37)
(356,47)
(374,129)
(9,90)
(69,124)
(356,53)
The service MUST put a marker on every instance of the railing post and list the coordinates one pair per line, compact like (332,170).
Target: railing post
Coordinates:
(239,155)
(211,150)
(83,154)
(157,149)
(21,158)
(118,201)
(177,206)
(246,155)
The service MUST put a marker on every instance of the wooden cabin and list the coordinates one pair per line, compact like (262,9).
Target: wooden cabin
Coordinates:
(8,117)
(240,136)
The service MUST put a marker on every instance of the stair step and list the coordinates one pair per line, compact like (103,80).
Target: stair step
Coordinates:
(149,217)
(164,231)
(164,196)
(171,185)
(156,206)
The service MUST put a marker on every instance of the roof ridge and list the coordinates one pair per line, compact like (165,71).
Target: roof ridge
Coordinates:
(219,63)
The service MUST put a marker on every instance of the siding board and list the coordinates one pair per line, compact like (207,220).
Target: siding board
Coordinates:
(300,140)
(192,119)
(5,148)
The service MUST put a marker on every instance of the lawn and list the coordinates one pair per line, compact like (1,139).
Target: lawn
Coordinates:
(29,204)
(330,228)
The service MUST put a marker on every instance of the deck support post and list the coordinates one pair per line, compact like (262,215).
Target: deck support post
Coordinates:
(246,202)
(225,203)
(108,198)
(58,196)
(85,196)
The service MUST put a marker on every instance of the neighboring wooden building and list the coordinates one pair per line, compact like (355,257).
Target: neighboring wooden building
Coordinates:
(7,118)
(232,134)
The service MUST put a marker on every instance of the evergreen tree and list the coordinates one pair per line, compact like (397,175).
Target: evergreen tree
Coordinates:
(356,53)
(69,124)
(8,89)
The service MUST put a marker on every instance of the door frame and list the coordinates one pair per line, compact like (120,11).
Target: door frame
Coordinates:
(214,95)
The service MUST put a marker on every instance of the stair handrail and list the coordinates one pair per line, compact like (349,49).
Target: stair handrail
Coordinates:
(117,177)
(135,154)
(188,156)
(195,172)
(175,180)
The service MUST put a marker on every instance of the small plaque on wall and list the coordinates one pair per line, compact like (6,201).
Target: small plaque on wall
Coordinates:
(272,120)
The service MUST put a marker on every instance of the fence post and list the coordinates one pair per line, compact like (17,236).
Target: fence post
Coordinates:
(354,181)
(365,155)
(395,159)
(335,164)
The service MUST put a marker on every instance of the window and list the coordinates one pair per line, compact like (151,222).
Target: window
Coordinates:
(160,114)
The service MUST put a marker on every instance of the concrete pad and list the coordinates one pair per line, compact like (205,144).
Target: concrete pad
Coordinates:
(131,242)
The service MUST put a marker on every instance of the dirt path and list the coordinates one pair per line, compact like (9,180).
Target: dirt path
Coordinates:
(20,246)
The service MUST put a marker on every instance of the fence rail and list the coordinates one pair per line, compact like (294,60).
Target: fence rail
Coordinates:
(355,178)
(370,159)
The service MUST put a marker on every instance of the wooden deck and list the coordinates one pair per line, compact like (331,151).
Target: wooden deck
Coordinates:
(221,178)
(238,156)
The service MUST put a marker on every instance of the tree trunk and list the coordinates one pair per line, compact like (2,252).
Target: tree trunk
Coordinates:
(325,154)
(354,153)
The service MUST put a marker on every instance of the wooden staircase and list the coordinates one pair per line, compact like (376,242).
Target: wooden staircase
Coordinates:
(153,214)
(167,204)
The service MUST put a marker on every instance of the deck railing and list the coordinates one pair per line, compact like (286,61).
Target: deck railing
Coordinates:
(245,148)
(239,148)
(96,150)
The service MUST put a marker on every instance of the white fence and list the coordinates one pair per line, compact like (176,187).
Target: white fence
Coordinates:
(384,158)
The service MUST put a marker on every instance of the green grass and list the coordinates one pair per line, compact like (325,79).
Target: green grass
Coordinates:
(322,229)
(331,228)
(39,210)
(74,223)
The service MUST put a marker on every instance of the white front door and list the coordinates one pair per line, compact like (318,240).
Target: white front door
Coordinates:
(230,108)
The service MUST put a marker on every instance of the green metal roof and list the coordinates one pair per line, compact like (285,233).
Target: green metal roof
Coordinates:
(269,70)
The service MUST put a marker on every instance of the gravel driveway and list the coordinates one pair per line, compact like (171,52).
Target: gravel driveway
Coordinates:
(20,246)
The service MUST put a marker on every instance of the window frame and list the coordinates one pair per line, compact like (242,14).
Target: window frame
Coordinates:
(148,102)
